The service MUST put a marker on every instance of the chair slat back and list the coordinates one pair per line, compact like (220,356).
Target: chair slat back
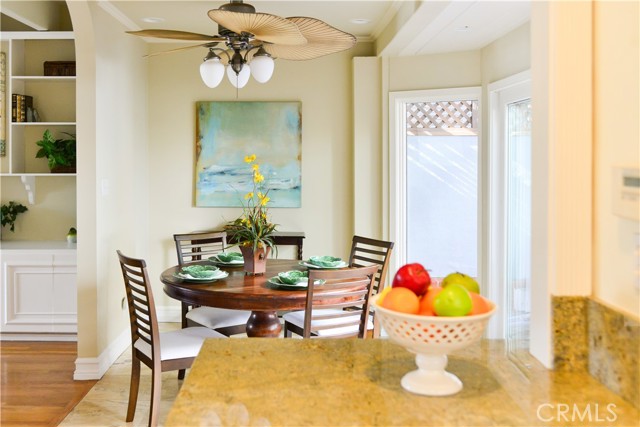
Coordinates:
(142,311)
(366,252)
(193,247)
(347,290)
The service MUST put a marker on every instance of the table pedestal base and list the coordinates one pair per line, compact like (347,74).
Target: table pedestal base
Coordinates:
(264,324)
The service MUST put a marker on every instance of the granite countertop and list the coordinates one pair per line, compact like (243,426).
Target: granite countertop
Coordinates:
(294,382)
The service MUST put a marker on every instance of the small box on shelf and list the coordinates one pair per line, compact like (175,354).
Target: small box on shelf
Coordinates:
(59,68)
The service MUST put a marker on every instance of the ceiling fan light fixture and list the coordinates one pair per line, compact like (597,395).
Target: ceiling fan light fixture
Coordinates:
(211,69)
(262,66)
(240,79)
(212,72)
(242,30)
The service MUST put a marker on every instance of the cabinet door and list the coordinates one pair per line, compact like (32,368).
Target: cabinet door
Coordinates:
(64,310)
(27,290)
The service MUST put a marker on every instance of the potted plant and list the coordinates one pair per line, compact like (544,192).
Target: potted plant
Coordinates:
(253,230)
(10,212)
(60,153)
(72,235)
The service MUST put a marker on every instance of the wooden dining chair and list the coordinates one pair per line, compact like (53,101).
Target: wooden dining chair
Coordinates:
(334,309)
(365,252)
(160,351)
(193,247)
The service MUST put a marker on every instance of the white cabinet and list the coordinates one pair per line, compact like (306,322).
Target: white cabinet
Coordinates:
(39,292)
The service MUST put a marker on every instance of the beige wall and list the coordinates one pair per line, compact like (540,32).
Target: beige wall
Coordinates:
(324,88)
(507,56)
(367,148)
(112,170)
(446,70)
(52,214)
(616,143)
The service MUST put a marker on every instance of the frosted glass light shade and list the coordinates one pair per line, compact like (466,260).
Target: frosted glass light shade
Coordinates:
(212,72)
(240,80)
(262,68)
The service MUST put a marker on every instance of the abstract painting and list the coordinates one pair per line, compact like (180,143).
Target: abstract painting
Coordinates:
(229,131)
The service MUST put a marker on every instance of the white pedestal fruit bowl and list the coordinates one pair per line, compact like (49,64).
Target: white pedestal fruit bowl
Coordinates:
(431,338)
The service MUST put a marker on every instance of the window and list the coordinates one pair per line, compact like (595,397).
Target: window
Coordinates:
(442,187)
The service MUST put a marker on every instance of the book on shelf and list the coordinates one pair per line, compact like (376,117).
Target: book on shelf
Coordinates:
(21,108)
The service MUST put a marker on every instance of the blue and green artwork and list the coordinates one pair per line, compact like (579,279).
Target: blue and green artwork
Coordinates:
(229,131)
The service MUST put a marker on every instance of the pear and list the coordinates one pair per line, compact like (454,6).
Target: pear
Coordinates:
(463,280)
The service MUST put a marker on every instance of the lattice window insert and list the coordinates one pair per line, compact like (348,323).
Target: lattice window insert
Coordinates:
(423,116)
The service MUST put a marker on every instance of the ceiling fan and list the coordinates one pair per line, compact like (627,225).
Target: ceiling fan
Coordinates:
(253,40)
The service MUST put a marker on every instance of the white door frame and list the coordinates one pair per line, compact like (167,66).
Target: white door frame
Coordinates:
(510,89)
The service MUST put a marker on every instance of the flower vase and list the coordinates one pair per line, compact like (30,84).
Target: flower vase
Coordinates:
(255,262)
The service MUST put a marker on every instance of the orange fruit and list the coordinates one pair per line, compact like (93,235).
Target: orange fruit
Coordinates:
(479,304)
(426,302)
(401,299)
(382,294)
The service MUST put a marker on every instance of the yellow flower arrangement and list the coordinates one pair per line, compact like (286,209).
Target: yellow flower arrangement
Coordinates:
(253,227)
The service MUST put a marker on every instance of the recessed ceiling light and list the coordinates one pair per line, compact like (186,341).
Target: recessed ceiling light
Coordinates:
(360,21)
(152,20)
(463,29)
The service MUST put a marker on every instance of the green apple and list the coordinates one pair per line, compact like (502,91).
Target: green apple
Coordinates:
(463,280)
(454,300)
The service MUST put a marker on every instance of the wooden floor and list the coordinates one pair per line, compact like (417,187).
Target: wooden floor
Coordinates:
(37,382)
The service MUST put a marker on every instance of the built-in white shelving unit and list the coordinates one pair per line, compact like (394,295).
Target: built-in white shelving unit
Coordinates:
(54,98)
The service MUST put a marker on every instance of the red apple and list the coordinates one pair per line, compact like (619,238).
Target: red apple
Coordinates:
(412,276)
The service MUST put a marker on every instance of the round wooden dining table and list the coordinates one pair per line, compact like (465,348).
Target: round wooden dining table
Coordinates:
(242,292)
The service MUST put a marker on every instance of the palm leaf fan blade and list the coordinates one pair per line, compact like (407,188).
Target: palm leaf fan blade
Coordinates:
(180,49)
(263,26)
(177,35)
(322,39)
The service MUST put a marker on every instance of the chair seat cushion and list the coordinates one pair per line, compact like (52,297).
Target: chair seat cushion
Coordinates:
(214,318)
(179,344)
(297,318)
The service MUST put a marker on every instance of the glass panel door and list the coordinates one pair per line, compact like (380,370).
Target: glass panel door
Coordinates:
(518,228)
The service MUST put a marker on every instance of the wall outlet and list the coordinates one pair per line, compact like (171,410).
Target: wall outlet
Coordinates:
(626,193)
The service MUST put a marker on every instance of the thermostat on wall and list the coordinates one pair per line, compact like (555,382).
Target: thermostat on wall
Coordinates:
(626,193)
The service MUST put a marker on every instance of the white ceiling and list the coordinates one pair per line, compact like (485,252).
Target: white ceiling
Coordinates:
(431,26)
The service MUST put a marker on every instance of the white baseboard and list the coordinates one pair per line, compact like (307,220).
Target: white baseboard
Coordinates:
(169,313)
(93,368)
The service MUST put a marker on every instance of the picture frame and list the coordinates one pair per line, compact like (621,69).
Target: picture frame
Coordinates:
(227,132)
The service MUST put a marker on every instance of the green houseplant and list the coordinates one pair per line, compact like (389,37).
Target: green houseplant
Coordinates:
(10,213)
(72,235)
(60,153)
(253,230)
